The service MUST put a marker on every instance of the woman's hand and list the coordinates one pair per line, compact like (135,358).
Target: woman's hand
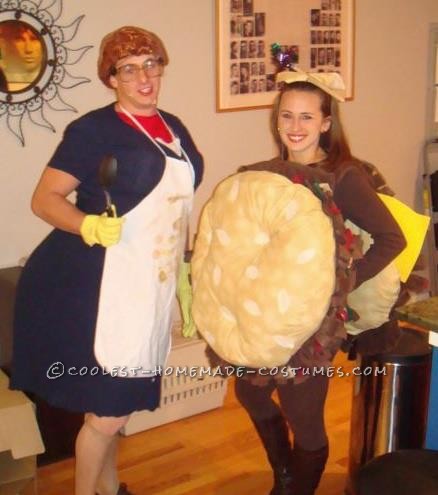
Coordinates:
(101,229)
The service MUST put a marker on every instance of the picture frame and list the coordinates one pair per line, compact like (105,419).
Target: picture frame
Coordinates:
(319,35)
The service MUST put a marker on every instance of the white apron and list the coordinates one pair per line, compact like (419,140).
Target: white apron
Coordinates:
(133,328)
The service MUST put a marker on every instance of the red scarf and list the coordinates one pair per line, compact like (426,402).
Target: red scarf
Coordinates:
(154,125)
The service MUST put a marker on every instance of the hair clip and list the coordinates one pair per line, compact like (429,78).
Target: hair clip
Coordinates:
(289,72)
(285,58)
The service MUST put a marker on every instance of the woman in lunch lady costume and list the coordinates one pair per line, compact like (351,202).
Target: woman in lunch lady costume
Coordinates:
(96,295)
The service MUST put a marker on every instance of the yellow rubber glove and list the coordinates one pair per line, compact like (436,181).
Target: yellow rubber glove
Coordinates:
(184,295)
(102,229)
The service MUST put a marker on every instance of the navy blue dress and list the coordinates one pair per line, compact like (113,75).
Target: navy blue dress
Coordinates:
(58,293)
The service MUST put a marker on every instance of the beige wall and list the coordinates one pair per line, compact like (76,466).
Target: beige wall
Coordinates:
(385,122)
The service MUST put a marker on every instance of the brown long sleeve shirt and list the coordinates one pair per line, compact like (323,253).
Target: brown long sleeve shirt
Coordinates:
(359,203)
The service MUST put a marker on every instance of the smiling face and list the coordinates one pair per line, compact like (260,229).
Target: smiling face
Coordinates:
(140,95)
(300,124)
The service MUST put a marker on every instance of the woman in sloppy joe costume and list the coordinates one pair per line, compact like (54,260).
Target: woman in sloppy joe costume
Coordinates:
(308,130)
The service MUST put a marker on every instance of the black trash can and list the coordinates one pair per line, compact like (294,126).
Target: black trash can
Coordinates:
(403,472)
(390,401)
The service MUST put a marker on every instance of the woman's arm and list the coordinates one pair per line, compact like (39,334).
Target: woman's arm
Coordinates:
(49,201)
(360,204)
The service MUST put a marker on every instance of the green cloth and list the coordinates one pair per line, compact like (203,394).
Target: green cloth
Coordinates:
(184,295)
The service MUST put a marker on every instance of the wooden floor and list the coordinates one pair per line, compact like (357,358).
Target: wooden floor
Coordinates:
(213,453)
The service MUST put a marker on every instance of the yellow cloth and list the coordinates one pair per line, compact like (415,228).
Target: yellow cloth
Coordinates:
(414,227)
(101,229)
(330,82)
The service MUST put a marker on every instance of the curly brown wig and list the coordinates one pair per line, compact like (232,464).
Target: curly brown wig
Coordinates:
(126,41)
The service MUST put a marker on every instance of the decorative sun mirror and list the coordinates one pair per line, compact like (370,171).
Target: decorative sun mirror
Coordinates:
(33,61)
(23,55)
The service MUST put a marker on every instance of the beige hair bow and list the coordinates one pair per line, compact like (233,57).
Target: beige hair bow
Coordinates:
(330,82)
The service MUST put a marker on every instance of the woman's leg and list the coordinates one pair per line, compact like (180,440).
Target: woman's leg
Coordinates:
(256,399)
(303,406)
(272,429)
(109,477)
(95,446)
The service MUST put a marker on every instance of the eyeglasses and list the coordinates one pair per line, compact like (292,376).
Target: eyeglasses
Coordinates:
(152,67)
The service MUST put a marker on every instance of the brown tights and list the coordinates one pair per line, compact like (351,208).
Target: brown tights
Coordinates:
(302,405)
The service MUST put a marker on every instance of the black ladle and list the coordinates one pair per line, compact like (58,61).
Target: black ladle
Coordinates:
(106,177)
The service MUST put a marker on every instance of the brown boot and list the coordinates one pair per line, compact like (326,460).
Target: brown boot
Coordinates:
(307,469)
(123,490)
(274,435)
